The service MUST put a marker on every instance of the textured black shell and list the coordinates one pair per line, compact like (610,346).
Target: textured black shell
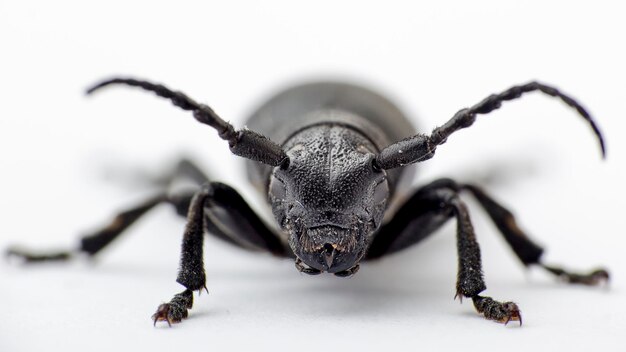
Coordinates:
(306,105)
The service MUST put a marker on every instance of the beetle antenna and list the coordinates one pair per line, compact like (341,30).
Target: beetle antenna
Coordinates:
(422,147)
(244,143)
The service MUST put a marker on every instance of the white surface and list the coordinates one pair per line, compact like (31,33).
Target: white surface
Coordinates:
(65,161)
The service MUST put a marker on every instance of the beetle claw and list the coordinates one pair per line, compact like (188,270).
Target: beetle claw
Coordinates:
(163,314)
(497,311)
(176,310)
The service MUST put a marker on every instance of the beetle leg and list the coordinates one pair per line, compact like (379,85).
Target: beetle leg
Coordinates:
(176,310)
(429,208)
(592,278)
(229,217)
(500,312)
(220,210)
(93,243)
(419,217)
(470,280)
(525,249)
(191,271)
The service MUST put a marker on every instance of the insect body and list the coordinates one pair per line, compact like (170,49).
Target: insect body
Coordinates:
(331,158)
(331,197)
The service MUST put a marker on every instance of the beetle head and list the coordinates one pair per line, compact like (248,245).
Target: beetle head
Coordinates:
(330,198)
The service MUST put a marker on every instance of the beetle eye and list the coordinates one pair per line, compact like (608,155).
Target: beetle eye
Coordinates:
(381,192)
(277,188)
(375,165)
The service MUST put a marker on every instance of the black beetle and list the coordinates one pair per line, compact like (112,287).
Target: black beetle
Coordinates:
(332,158)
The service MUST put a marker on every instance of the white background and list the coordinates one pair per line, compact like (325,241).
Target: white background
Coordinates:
(68,162)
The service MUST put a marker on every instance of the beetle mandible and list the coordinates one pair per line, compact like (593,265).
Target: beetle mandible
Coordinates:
(331,157)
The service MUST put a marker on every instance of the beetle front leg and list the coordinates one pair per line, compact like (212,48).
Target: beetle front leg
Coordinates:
(470,279)
(426,211)
(191,273)
(219,210)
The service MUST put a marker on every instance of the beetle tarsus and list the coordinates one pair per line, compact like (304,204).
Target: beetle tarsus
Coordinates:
(592,278)
(176,310)
(501,312)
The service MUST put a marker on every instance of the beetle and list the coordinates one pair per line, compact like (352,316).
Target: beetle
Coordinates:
(332,158)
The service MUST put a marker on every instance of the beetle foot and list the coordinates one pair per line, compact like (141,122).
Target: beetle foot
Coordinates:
(176,310)
(593,278)
(497,311)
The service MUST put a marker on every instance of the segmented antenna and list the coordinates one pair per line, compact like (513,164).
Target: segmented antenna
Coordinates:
(422,147)
(244,143)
